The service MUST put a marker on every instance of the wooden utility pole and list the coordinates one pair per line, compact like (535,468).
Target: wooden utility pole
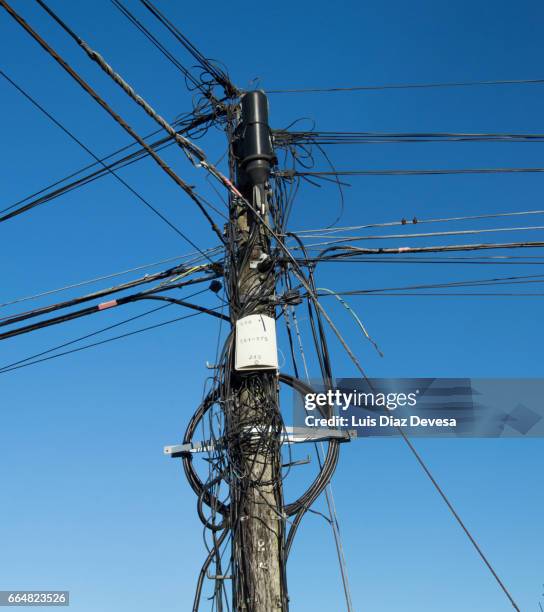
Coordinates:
(254,425)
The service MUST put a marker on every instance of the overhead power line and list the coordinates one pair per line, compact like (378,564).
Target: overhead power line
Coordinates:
(107,169)
(122,162)
(149,294)
(414,221)
(157,44)
(189,148)
(501,280)
(412,260)
(409,86)
(449,294)
(248,401)
(219,75)
(174,274)
(194,124)
(161,163)
(347,250)
(343,239)
(285,138)
(90,281)
(107,340)
(423,172)
(12,365)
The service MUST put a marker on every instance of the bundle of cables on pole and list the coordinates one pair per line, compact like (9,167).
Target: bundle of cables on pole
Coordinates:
(243,446)
(263,434)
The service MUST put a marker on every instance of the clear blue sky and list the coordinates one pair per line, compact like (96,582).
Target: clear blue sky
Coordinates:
(88,501)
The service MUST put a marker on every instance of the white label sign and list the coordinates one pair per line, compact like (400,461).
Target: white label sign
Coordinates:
(256,343)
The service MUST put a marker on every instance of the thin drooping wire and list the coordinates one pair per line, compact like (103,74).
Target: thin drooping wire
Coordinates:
(459,520)
(11,366)
(355,316)
(410,86)
(187,123)
(98,160)
(87,346)
(452,171)
(329,494)
(123,162)
(73,174)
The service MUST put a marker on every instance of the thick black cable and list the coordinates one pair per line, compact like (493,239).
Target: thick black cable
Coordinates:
(480,261)
(348,251)
(148,278)
(171,300)
(106,306)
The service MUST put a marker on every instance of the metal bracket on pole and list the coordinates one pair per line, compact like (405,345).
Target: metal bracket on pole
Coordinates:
(290,435)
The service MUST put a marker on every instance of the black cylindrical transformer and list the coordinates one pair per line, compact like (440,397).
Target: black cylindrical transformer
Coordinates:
(257,153)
